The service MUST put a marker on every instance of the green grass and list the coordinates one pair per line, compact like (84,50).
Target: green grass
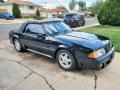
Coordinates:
(110,31)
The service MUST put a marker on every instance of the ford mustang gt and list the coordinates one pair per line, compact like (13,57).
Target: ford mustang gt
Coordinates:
(70,49)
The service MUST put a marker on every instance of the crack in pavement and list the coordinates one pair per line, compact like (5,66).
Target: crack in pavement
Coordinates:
(95,80)
(47,82)
(22,80)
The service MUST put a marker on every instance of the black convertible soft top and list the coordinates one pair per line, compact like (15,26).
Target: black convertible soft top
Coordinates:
(38,22)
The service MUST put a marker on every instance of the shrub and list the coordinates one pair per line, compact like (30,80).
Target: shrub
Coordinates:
(1,1)
(16,11)
(110,13)
(27,17)
(37,13)
(39,18)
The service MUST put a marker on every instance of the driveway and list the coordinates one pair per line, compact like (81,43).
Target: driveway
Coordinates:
(29,71)
(89,23)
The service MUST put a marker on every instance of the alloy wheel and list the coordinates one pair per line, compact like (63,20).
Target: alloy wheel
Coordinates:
(65,60)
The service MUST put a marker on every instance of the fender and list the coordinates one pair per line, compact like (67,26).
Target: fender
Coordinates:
(15,36)
(63,46)
(59,48)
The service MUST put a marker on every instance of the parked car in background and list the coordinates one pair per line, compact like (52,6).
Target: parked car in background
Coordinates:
(74,19)
(61,16)
(55,39)
(6,16)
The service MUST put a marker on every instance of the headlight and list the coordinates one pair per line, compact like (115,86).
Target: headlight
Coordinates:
(106,41)
(97,53)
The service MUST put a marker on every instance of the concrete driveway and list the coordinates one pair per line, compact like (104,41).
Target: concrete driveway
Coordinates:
(29,71)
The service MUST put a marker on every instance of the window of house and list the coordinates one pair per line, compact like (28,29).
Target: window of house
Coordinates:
(31,7)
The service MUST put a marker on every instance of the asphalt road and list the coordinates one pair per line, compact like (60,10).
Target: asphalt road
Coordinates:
(5,29)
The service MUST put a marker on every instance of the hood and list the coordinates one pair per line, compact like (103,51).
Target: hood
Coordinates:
(90,41)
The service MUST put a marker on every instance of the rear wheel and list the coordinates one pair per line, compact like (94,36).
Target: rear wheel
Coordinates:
(66,60)
(18,45)
(79,24)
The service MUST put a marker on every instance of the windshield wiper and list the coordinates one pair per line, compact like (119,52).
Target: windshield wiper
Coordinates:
(55,33)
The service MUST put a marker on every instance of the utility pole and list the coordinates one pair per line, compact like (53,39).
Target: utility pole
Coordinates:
(46,8)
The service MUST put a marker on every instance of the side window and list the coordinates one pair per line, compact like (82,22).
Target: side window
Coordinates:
(34,29)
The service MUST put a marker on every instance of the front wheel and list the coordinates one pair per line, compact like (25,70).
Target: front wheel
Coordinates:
(5,18)
(66,60)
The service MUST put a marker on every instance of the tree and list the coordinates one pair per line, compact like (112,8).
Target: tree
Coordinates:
(37,12)
(82,5)
(62,7)
(72,4)
(110,13)
(16,11)
(96,6)
(1,1)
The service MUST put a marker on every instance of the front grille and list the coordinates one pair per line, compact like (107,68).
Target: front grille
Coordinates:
(108,47)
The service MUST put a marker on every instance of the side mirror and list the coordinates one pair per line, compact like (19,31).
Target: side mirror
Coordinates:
(41,36)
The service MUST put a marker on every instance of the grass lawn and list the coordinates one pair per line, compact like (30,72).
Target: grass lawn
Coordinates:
(110,31)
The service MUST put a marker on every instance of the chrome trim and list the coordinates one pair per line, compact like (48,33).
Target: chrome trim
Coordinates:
(40,53)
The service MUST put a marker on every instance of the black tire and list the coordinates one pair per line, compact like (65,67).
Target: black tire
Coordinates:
(79,24)
(73,64)
(20,47)
(83,23)
(5,18)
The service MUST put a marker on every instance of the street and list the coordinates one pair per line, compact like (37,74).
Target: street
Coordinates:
(29,71)
(5,29)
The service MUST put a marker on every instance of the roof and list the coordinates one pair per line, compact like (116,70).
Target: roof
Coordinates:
(53,10)
(38,22)
(71,14)
(59,10)
(45,10)
(19,2)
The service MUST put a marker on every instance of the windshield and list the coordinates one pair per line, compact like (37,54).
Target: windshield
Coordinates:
(69,17)
(74,16)
(56,28)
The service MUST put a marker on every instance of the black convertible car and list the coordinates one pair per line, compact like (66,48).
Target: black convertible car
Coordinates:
(71,49)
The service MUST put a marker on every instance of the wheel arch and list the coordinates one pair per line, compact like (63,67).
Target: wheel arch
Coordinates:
(14,36)
(61,47)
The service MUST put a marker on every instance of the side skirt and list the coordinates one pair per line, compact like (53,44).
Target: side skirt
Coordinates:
(39,53)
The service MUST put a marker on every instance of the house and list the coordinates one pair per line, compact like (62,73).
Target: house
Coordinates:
(45,12)
(27,8)
(52,12)
(3,10)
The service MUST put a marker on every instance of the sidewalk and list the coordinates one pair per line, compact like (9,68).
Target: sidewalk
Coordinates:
(78,28)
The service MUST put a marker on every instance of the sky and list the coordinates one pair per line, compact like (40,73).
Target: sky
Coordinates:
(54,3)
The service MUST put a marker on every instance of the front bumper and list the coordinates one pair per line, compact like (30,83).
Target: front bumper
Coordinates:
(105,60)
(98,63)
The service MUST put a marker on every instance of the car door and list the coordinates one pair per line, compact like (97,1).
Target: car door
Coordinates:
(33,39)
